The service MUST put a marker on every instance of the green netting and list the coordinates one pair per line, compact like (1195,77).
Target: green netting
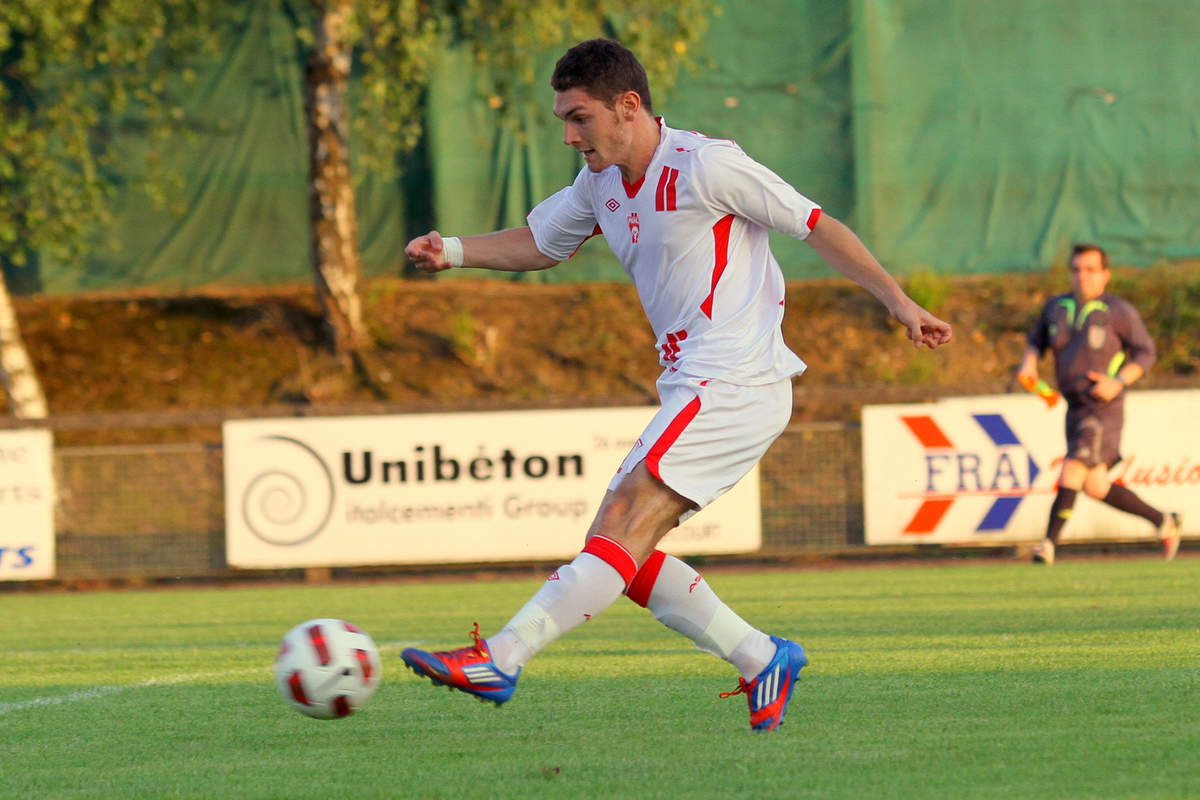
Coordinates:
(973,137)
(241,214)
(776,79)
(990,136)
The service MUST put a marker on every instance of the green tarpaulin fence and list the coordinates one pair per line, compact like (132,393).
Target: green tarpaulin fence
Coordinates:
(954,136)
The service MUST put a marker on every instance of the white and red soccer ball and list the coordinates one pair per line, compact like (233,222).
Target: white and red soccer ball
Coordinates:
(327,668)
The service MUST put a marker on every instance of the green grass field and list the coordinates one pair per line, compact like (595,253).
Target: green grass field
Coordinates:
(951,680)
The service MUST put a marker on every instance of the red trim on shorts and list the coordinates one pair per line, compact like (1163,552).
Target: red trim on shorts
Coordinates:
(643,582)
(614,554)
(720,258)
(812,219)
(660,447)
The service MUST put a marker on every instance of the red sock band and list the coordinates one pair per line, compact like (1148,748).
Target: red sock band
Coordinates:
(614,554)
(643,583)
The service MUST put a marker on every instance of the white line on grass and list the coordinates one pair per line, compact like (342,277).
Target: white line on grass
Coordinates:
(96,692)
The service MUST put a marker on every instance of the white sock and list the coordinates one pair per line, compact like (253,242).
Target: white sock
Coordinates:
(575,593)
(681,599)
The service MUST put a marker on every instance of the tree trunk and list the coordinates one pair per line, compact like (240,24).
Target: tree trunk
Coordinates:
(334,226)
(25,398)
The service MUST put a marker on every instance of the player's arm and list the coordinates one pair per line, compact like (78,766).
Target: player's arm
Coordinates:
(511,250)
(1141,351)
(845,252)
(1027,372)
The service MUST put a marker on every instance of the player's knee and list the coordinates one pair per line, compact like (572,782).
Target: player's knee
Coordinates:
(1097,486)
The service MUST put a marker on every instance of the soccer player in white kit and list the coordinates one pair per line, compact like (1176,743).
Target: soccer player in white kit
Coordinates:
(688,218)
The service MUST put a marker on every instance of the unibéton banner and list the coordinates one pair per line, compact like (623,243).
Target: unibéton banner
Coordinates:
(443,488)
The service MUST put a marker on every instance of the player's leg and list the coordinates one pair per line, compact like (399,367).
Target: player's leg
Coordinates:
(636,514)
(1101,487)
(725,438)
(1084,438)
(1070,481)
(1121,498)
(682,600)
(630,521)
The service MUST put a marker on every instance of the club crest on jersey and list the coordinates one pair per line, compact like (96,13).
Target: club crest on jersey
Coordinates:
(635,227)
(612,204)
(1095,337)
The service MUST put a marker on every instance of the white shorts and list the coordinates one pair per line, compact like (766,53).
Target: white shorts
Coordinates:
(708,434)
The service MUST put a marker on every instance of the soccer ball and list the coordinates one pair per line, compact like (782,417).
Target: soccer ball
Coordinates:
(327,668)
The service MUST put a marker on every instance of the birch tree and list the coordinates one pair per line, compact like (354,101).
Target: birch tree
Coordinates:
(68,66)
(25,397)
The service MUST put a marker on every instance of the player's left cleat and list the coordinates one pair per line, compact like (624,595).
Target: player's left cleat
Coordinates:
(1170,534)
(469,669)
(771,690)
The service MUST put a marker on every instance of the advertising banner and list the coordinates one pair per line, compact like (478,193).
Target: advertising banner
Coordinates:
(26,505)
(443,488)
(974,470)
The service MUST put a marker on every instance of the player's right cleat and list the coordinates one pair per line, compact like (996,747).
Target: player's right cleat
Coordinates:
(1170,534)
(1044,552)
(468,669)
(768,694)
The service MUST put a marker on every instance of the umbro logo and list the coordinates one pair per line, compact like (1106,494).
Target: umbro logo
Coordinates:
(612,204)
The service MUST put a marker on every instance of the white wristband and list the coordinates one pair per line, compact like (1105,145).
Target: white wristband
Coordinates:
(452,250)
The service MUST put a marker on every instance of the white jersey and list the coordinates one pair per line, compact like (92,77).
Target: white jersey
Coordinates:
(692,235)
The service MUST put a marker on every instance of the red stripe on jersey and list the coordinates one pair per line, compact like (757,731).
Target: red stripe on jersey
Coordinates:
(720,259)
(613,553)
(671,190)
(812,219)
(660,447)
(643,583)
(595,232)
(659,193)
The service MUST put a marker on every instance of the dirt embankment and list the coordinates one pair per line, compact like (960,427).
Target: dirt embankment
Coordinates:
(484,343)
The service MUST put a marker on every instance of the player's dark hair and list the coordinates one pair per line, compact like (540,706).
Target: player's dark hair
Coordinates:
(604,69)
(1084,247)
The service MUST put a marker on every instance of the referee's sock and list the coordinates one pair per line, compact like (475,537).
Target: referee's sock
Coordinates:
(1121,498)
(681,599)
(1060,512)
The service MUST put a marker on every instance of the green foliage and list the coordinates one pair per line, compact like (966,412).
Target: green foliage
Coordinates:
(929,289)
(67,67)
(397,41)
(1168,298)
(924,681)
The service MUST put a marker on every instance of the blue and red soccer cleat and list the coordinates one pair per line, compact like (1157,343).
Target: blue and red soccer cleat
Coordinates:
(768,694)
(468,669)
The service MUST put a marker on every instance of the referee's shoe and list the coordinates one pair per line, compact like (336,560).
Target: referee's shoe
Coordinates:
(1170,534)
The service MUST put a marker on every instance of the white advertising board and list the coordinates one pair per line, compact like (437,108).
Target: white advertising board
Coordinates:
(442,488)
(985,469)
(26,505)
